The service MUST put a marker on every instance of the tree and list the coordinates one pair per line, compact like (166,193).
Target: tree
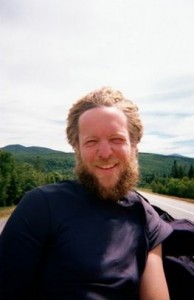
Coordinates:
(14,192)
(191,172)
(27,177)
(39,164)
(174,170)
(7,167)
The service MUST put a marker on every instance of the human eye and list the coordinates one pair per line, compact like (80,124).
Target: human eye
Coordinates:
(118,140)
(90,142)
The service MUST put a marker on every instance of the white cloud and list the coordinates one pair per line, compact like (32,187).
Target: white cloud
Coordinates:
(53,52)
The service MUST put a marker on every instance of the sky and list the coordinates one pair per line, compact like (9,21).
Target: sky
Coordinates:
(53,52)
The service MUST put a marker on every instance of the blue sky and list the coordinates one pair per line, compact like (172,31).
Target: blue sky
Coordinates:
(53,52)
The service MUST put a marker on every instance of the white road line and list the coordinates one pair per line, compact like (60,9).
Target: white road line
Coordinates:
(174,207)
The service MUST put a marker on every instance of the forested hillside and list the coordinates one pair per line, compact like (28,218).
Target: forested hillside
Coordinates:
(42,159)
(23,168)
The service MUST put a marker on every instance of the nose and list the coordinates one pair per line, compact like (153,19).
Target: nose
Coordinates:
(104,149)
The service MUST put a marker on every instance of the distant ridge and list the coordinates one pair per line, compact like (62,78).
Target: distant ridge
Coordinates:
(30,149)
(51,160)
(17,148)
(176,154)
(54,160)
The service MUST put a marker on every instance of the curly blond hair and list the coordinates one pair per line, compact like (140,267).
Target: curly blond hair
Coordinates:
(105,96)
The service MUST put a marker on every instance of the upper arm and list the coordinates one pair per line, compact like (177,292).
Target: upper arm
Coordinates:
(153,285)
(22,244)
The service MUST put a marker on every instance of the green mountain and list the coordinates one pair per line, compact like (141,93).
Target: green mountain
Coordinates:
(44,158)
(162,164)
(52,160)
(19,149)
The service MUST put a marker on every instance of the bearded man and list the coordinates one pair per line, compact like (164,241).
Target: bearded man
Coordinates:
(92,238)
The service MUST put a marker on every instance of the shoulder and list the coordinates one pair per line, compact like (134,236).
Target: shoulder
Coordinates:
(63,186)
(47,203)
(157,230)
(51,195)
(56,189)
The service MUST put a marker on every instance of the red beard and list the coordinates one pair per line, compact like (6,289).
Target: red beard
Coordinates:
(127,181)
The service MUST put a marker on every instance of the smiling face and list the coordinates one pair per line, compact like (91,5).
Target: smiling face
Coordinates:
(106,159)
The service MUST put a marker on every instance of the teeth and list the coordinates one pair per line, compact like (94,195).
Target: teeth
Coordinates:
(106,167)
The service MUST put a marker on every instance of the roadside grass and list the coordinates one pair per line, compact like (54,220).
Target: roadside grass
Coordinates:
(6,211)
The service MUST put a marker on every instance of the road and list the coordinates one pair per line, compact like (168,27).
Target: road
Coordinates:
(177,208)
(2,223)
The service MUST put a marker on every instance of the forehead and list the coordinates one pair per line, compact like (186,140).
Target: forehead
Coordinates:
(102,117)
(102,112)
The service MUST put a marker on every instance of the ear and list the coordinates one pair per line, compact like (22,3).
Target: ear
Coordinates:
(134,149)
(76,149)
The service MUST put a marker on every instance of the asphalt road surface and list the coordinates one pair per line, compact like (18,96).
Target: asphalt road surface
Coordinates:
(177,208)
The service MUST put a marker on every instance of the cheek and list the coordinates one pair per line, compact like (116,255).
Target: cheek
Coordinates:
(124,153)
(87,155)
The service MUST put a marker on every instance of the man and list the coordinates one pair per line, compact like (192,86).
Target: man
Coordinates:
(93,238)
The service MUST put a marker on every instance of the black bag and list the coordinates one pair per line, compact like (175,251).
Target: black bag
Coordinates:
(178,256)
